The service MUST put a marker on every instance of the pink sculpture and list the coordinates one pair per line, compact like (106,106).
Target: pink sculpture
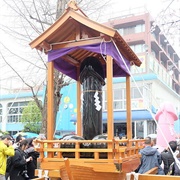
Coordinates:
(165,116)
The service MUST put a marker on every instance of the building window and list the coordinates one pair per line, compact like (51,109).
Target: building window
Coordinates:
(0,113)
(119,99)
(140,28)
(138,48)
(15,111)
(140,129)
(136,92)
(151,127)
(132,29)
(137,101)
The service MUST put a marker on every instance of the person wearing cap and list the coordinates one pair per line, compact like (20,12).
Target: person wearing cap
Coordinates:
(6,149)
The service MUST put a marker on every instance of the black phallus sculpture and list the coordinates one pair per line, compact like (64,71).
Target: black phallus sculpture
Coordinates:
(100,145)
(70,137)
(70,145)
(92,80)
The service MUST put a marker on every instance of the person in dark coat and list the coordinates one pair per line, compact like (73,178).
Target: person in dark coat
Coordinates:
(150,158)
(19,161)
(167,156)
(31,165)
(176,167)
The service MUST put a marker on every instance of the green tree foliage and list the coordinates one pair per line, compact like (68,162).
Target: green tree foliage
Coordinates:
(2,133)
(31,117)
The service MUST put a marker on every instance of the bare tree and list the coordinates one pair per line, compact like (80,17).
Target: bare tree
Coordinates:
(28,19)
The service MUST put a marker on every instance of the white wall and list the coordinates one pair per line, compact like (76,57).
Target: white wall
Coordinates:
(162,93)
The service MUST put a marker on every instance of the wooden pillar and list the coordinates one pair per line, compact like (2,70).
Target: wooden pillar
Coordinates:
(50,101)
(110,118)
(79,121)
(128,107)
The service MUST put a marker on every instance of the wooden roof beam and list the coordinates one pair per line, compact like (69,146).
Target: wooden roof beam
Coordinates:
(105,37)
(77,43)
(45,46)
(78,35)
(71,60)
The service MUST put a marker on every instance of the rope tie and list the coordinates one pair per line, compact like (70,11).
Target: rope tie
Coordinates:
(92,91)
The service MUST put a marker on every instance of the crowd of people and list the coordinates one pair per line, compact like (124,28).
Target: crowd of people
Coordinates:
(24,158)
(167,161)
(21,155)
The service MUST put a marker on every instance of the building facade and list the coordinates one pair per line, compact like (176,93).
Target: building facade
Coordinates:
(158,79)
(13,103)
(11,108)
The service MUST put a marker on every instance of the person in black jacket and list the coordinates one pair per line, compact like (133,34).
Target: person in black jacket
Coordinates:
(31,165)
(167,156)
(19,161)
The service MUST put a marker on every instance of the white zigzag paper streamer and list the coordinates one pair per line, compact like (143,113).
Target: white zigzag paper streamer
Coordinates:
(97,101)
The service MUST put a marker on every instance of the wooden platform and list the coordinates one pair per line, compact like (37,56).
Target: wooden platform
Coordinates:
(125,159)
(79,172)
(115,160)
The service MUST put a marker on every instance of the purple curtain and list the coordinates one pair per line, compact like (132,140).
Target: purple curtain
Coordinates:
(105,48)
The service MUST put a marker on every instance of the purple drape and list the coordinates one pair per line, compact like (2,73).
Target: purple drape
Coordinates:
(105,48)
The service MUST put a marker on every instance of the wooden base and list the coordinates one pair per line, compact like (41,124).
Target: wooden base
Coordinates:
(119,159)
(90,172)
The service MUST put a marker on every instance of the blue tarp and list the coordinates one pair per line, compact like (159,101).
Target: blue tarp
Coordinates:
(26,134)
(121,116)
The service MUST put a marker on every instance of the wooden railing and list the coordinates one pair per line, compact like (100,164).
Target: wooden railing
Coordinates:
(123,154)
(119,149)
